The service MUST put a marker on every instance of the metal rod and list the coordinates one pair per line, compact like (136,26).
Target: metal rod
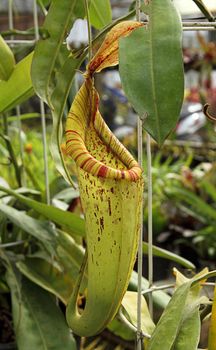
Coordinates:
(15,41)
(150,226)
(140,252)
(43,118)
(194,29)
(157,288)
(198,24)
(10,14)
(21,150)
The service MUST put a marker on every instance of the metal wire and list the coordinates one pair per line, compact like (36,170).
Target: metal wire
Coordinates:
(19,123)
(140,253)
(150,226)
(43,118)
(18,42)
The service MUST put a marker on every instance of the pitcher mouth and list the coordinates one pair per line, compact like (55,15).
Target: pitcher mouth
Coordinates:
(76,147)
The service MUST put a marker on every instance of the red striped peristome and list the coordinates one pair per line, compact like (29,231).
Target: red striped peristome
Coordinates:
(86,131)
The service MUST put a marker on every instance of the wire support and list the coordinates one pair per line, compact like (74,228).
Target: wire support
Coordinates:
(43,117)
(18,42)
(150,223)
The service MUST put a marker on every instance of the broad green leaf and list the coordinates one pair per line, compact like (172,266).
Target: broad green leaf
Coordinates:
(154,88)
(212,330)
(39,323)
(100,13)
(50,52)
(160,298)
(48,275)
(58,99)
(189,333)
(63,218)
(167,328)
(129,304)
(7,61)
(41,230)
(18,87)
(163,253)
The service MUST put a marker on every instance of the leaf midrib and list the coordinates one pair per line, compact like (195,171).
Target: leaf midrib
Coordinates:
(150,29)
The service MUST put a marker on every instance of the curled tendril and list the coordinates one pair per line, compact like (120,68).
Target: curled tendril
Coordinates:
(207,114)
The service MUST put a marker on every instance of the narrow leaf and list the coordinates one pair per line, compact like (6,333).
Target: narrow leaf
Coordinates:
(154,88)
(189,333)
(39,323)
(40,230)
(205,210)
(58,100)
(7,61)
(19,87)
(50,50)
(48,275)
(100,13)
(63,218)
(163,253)
(167,328)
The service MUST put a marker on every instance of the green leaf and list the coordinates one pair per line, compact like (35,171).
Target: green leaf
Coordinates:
(58,100)
(163,253)
(58,275)
(167,328)
(212,330)
(63,218)
(189,333)
(41,230)
(129,304)
(48,275)
(7,61)
(120,329)
(39,323)
(154,88)
(50,52)
(100,13)
(19,87)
